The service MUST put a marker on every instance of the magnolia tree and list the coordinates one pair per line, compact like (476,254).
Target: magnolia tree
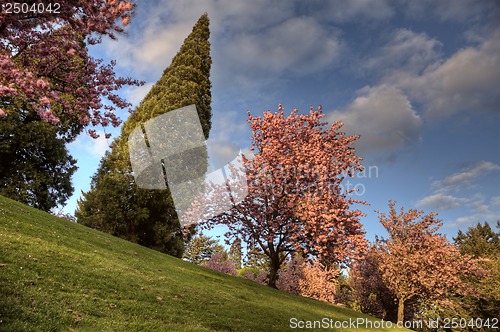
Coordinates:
(45,65)
(294,200)
(417,263)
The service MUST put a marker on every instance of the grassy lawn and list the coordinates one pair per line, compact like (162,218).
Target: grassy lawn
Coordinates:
(60,276)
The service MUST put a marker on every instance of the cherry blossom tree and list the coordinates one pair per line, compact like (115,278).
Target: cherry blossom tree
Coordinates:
(295,202)
(45,66)
(309,279)
(220,262)
(369,294)
(319,282)
(417,263)
(290,275)
(254,274)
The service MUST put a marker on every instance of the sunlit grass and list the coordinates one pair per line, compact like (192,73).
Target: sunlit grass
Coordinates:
(60,276)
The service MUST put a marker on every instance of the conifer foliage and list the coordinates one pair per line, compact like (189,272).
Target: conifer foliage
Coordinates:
(114,203)
(36,167)
(51,88)
(201,248)
(482,242)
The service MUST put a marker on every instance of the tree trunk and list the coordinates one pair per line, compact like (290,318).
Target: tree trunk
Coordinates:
(401,310)
(273,271)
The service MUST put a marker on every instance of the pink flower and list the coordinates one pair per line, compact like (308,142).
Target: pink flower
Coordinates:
(44,101)
(71,52)
(41,83)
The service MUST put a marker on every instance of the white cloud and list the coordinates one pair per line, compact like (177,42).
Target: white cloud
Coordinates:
(158,29)
(383,116)
(258,42)
(345,10)
(469,81)
(91,147)
(221,153)
(466,176)
(495,201)
(440,201)
(484,207)
(254,43)
(299,45)
(452,10)
(136,94)
(479,207)
(152,50)
(243,16)
(407,51)
(222,149)
(488,216)
(229,124)
(466,220)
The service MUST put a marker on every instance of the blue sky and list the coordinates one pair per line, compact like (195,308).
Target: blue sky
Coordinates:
(418,80)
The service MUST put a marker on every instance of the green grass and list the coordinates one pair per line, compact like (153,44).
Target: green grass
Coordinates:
(60,276)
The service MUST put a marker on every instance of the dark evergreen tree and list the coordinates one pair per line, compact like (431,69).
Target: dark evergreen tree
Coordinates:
(114,203)
(481,241)
(36,167)
(201,248)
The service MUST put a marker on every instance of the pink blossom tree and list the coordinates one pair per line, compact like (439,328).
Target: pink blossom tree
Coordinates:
(290,275)
(369,294)
(220,262)
(254,274)
(416,262)
(295,202)
(319,282)
(310,279)
(45,65)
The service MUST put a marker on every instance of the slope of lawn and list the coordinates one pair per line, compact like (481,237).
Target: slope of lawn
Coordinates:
(56,275)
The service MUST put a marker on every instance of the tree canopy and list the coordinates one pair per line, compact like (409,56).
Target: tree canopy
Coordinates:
(36,167)
(482,242)
(201,248)
(45,64)
(294,201)
(418,263)
(479,241)
(115,203)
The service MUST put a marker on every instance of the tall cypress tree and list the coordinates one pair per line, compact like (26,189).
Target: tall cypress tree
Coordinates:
(115,204)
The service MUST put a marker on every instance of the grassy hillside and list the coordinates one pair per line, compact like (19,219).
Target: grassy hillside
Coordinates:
(60,276)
